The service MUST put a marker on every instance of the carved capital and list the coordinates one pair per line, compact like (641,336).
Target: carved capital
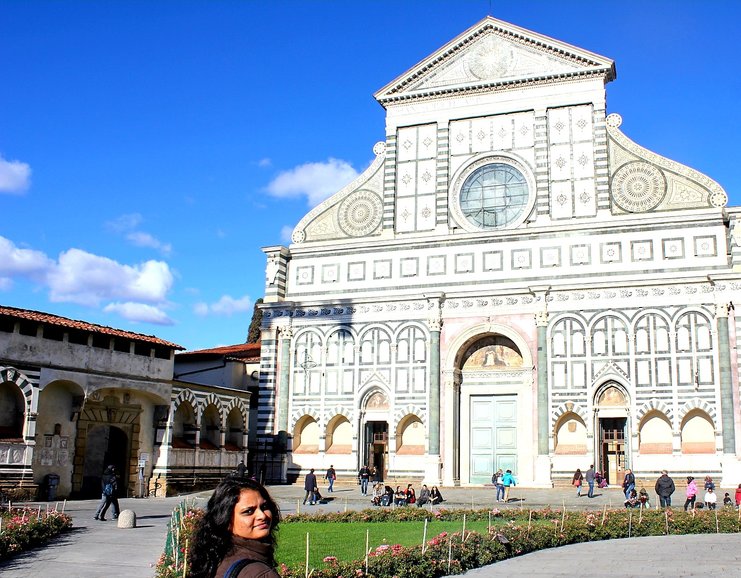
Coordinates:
(722,309)
(285,331)
(541,318)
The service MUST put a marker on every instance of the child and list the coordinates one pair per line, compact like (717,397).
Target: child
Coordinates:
(727,500)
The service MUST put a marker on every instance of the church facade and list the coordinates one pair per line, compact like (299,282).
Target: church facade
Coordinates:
(513,283)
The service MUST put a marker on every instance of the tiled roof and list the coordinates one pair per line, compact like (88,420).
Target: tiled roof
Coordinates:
(243,351)
(50,319)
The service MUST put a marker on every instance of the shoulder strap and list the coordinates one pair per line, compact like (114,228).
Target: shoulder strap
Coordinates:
(237,567)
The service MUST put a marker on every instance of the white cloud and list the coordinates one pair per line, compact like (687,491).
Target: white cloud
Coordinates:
(142,239)
(128,224)
(285,233)
(15,261)
(139,312)
(15,176)
(226,306)
(316,181)
(87,279)
(266,162)
(125,222)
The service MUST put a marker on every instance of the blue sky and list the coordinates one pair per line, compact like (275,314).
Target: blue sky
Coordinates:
(148,150)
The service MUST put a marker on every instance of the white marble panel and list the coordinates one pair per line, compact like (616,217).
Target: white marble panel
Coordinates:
(459,137)
(561,200)
(406,144)
(585,198)
(426,176)
(560,157)
(481,140)
(581,123)
(583,160)
(558,125)
(426,213)
(502,139)
(405,209)
(406,179)
(524,130)
(427,141)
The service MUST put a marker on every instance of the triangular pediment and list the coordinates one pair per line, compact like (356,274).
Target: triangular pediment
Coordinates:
(494,54)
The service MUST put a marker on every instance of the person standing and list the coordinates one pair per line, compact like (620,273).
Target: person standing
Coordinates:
(691,493)
(330,476)
(496,479)
(664,489)
(310,487)
(241,469)
(109,486)
(364,476)
(577,481)
(738,496)
(591,476)
(629,483)
(508,480)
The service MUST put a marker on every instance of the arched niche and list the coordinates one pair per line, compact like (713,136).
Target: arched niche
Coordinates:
(306,436)
(655,434)
(339,435)
(410,436)
(698,433)
(570,435)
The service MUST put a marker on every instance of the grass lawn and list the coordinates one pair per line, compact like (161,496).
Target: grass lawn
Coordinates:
(346,541)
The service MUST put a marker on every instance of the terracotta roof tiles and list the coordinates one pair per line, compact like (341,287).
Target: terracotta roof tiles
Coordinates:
(50,319)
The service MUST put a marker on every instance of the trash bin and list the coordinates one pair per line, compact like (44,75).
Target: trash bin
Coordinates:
(52,483)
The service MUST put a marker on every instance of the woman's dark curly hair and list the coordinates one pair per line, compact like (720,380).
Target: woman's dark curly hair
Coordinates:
(213,536)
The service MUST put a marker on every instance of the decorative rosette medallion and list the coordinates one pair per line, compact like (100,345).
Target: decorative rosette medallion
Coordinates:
(360,213)
(638,187)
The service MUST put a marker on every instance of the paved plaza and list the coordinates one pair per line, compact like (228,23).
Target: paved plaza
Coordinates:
(95,549)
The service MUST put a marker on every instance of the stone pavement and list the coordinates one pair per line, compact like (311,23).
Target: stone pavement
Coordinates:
(94,549)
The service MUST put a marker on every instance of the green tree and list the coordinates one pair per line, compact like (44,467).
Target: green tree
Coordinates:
(253,335)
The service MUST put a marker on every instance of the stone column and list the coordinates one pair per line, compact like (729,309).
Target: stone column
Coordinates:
(286,333)
(434,322)
(726,380)
(541,322)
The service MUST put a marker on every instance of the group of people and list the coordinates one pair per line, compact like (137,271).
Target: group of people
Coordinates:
(503,481)
(383,495)
(710,499)
(665,488)
(593,478)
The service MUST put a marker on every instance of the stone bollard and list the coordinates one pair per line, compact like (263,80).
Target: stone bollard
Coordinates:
(127,519)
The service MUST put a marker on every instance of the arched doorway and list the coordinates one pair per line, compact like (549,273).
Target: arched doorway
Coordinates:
(106,445)
(491,367)
(611,404)
(374,445)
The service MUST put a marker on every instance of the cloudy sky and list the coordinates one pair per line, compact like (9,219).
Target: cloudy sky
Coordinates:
(149,149)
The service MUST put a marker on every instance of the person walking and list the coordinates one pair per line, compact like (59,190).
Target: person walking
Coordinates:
(577,481)
(629,483)
(235,537)
(691,493)
(364,476)
(738,496)
(241,469)
(330,476)
(664,489)
(310,487)
(109,486)
(508,480)
(591,476)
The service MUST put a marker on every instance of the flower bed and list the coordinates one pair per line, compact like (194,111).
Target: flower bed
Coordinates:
(511,533)
(24,529)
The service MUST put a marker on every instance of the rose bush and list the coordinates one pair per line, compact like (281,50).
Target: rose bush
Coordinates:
(22,530)
(512,533)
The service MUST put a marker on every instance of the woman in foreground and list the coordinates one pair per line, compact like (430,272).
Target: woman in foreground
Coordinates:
(236,536)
